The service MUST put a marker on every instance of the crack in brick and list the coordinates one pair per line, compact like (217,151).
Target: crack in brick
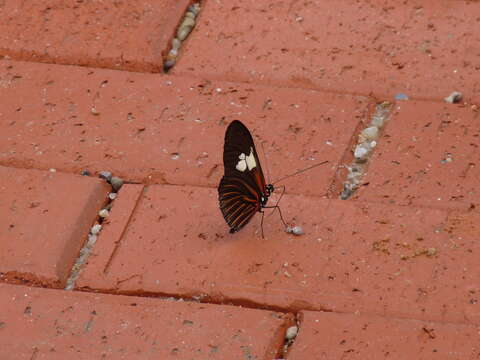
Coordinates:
(91,240)
(363,149)
(183,30)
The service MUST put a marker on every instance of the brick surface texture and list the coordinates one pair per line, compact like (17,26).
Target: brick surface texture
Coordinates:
(93,269)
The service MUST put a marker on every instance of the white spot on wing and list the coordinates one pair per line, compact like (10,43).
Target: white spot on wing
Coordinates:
(251,163)
(242,164)
(246,161)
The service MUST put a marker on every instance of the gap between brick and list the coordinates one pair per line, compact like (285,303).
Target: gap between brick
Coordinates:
(363,149)
(95,229)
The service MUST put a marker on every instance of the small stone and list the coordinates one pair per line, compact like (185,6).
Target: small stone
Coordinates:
(354,177)
(295,230)
(106,175)
(112,196)
(378,121)
(348,190)
(370,133)
(361,152)
(94,111)
(401,96)
(454,98)
(92,239)
(103,213)
(85,173)
(188,22)
(183,32)
(95,229)
(172,54)
(431,252)
(116,183)
(291,333)
(53,170)
(176,44)
(194,8)
(168,64)
(190,14)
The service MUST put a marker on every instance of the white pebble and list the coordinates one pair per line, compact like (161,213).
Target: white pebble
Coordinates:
(106,175)
(112,196)
(361,151)
(194,8)
(190,14)
(188,21)
(454,97)
(291,333)
(378,121)
(95,229)
(103,213)
(295,230)
(92,239)
(183,32)
(370,133)
(176,44)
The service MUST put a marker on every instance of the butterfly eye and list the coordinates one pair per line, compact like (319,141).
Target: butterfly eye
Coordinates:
(269,189)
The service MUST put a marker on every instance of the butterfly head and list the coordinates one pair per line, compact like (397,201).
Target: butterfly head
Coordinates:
(268,191)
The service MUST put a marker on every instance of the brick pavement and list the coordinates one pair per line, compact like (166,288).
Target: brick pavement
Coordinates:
(391,272)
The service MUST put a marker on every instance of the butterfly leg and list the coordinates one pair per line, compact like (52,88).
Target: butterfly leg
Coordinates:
(279,211)
(261,222)
(278,207)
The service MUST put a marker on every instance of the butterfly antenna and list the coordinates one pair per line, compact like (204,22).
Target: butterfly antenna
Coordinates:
(266,162)
(300,171)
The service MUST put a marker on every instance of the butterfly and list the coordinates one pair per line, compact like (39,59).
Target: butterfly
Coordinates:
(243,190)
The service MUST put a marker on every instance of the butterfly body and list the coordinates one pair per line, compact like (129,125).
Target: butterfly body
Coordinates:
(242,191)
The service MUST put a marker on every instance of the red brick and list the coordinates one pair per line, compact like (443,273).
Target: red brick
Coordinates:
(380,47)
(128,35)
(347,336)
(157,129)
(46,217)
(354,257)
(55,324)
(428,156)
(115,226)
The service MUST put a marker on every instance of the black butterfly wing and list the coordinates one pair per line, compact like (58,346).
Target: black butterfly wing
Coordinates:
(238,202)
(242,187)
(238,140)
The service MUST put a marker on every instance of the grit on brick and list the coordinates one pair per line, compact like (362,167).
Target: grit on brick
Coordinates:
(45,218)
(127,35)
(359,337)
(42,323)
(429,155)
(374,258)
(159,129)
(376,47)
